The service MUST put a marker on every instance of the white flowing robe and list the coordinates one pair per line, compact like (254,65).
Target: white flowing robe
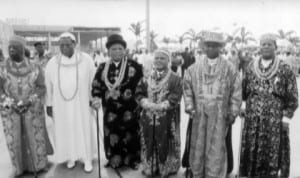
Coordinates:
(73,120)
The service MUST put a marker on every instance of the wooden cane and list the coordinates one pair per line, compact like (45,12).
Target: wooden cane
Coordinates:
(240,146)
(153,146)
(189,144)
(98,143)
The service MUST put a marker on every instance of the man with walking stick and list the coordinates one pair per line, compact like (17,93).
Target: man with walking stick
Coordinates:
(115,83)
(212,93)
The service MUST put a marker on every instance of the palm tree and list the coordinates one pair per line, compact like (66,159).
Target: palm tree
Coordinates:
(285,35)
(137,30)
(240,36)
(180,39)
(192,36)
(295,40)
(166,40)
(153,45)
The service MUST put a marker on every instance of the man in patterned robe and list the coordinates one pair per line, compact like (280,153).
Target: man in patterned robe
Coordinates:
(271,95)
(115,83)
(212,92)
(22,89)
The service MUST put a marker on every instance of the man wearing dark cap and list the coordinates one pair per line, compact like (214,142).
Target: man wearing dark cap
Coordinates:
(22,90)
(115,84)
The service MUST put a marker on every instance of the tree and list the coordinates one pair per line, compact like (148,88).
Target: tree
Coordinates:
(193,36)
(137,30)
(295,40)
(166,40)
(240,36)
(284,35)
(153,45)
(181,39)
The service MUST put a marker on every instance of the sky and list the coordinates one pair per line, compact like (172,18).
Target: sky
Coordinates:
(170,18)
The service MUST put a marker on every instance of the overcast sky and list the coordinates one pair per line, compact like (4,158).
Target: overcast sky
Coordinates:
(169,18)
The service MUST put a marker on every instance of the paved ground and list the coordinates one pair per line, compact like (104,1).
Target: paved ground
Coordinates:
(60,171)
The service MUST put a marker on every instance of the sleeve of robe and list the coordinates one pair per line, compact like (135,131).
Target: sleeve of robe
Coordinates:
(98,88)
(40,89)
(245,86)
(235,100)
(291,94)
(188,92)
(92,71)
(175,91)
(141,90)
(49,84)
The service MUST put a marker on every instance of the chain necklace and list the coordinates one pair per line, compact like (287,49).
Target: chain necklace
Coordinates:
(77,79)
(121,75)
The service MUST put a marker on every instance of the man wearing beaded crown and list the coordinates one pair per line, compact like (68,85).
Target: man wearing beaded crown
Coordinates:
(115,83)
(271,95)
(69,76)
(212,93)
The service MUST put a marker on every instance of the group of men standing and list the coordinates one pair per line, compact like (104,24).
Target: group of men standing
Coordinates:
(141,112)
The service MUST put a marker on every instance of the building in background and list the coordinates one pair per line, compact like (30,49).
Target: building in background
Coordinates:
(89,38)
(6,31)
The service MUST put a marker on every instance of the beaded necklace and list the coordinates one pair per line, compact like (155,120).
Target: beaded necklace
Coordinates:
(156,86)
(110,86)
(267,74)
(59,81)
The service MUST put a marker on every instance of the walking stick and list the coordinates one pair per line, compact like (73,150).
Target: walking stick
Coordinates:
(153,146)
(240,146)
(189,146)
(98,143)
(26,135)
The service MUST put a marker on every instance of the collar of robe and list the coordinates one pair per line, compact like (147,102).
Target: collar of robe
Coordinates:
(265,73)
(69,62)
(20,70)
(211,73)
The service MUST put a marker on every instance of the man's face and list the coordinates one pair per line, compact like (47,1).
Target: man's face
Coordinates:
(67,46)
(267,49)
(116,52)
(212,49)
(40,49)
(15,50)
(161,61)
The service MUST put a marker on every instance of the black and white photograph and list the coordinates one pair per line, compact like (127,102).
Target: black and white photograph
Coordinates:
(149,89)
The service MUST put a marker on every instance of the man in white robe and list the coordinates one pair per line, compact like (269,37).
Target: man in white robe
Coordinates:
(68,79)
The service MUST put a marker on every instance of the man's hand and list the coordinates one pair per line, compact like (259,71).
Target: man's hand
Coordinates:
(285,122)
(96,103)
(49,111)
(192,114)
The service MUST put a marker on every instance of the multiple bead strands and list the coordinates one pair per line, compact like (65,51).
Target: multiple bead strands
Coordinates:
(77,79)
(111,87)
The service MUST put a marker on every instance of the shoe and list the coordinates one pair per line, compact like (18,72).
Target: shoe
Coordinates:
(71,164)
(88,166)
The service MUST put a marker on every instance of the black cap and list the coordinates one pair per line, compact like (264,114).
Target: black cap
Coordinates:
(115,39)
